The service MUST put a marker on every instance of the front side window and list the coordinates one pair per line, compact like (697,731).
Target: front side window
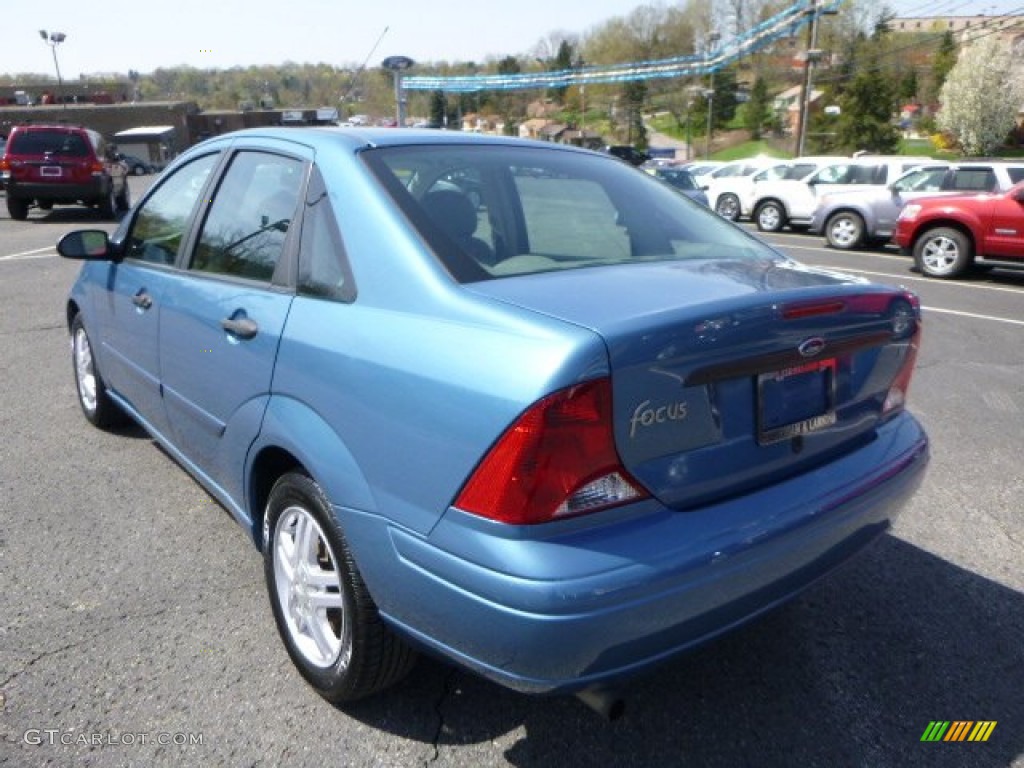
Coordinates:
(921,180)
(162,220)
(250,215)
(543,210)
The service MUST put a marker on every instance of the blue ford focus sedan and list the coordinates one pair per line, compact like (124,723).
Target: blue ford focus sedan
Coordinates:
(516,404)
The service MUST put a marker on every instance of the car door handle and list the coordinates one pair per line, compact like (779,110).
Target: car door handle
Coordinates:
(243,327)
(142,300)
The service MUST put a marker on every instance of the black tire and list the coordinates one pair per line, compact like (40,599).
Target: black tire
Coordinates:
(845,230)
(770,216)
(356,654)
(108,204)
(17,207)
(124,199)
(93,398)
(943,252)
(728,206)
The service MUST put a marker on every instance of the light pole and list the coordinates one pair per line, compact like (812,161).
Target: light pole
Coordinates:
(580,64)
(53,39)
(397,65)
(709,92)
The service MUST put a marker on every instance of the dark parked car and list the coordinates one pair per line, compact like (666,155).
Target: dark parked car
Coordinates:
(629,153)
(556,437)
(49,165)
(137,166)
(682,181)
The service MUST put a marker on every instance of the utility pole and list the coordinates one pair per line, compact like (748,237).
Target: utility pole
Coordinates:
(813,55)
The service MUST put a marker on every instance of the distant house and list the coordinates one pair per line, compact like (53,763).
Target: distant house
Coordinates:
(787,106)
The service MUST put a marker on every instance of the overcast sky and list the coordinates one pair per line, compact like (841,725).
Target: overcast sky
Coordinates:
(115,35)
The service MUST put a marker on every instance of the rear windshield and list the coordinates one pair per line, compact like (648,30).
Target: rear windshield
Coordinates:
(496,211)
(52,142)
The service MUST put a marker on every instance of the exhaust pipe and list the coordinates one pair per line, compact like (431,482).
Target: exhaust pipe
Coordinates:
(608,704)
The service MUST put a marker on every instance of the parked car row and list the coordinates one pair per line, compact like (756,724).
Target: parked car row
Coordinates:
(948,215)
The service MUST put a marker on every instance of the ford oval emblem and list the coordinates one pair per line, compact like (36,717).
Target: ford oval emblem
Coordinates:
(812,346)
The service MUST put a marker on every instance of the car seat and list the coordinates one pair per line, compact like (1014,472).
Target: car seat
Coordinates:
(455,216)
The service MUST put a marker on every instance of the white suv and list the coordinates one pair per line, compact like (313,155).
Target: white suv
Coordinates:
(789,202)
(732,197)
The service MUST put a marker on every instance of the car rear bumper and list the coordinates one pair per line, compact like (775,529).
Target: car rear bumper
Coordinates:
(592,602)
(58,193)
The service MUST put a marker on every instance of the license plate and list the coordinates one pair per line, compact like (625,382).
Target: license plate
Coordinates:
(50,170)
(796,401)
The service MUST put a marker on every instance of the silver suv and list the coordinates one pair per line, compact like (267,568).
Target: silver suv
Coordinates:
(792,203)
(868,217)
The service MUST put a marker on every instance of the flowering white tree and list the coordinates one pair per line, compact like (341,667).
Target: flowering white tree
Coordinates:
(981,96)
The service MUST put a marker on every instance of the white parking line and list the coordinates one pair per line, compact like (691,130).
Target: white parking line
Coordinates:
(38,253)
(972,315)
(931,280)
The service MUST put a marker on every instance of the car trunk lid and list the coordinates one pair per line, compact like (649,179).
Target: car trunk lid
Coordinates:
(727,375)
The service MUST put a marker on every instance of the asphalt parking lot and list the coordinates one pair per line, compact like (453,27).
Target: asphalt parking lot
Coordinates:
(135,630)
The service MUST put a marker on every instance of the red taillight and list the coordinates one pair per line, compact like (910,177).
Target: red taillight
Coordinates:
(906,325)
(97,169)
(558,459)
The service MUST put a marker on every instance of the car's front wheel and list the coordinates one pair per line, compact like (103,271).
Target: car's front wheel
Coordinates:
(943,252)
(728,206)
(845,230)
(98,407)
(770,216)
(323,610)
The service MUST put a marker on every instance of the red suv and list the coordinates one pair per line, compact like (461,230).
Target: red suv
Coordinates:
(62,165)
(948,235)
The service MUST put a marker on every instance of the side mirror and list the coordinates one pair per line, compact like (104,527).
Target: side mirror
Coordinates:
(88,245)
(1018,195)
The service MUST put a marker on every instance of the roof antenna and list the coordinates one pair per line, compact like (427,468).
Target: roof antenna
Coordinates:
(362,67)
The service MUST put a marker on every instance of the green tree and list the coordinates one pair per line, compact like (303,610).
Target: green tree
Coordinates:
(944,60)
(981,97)
(757,111)
(867,105)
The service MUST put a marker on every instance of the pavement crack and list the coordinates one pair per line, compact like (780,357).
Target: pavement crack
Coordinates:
(38,658)
(446,692)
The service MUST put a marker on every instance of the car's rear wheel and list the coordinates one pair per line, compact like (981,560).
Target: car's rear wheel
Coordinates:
(108,204)
(17,207)
(124,200)
(96,404)
(845,230)
(770,216)
(943,252)
(323,610)
(728,206)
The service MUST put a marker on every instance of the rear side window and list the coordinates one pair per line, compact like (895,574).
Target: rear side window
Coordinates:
(974,180)
(49,142)
(249,218)
(323,268)
(1016,174)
